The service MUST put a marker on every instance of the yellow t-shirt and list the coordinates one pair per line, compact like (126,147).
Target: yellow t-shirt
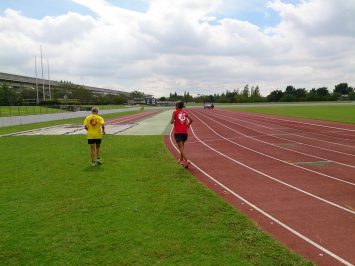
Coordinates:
(93,124)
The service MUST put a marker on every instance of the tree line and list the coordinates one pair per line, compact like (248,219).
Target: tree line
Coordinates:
(248,94)
(68,92)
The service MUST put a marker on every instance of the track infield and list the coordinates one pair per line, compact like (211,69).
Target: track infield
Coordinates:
(295,178)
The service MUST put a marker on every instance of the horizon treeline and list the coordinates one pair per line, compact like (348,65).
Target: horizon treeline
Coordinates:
(342,91)
(76,94)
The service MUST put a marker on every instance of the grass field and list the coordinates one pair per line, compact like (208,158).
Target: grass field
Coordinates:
(138,208)
(27,110)
(337,113)
(36,110)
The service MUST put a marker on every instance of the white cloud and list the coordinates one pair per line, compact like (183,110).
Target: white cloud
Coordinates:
(181,45)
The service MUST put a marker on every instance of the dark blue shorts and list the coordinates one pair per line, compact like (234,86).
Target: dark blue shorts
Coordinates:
(94,141)
(180,137)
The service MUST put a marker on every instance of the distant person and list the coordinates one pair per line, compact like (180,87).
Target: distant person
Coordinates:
(181,121)
(212,106)
(95,127)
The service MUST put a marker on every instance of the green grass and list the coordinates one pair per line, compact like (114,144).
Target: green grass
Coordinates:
(109,106)
(12,129)
(329,113)
(36,110)
(27,110)
(138,208)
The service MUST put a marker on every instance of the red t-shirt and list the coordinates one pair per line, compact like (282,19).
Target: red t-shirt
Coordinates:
(180,122)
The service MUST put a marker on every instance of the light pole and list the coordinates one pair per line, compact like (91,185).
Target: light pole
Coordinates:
(44,94)
(37,100)
(49,82)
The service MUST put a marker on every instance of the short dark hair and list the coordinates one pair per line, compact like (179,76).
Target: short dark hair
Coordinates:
(179,105)
(94,110)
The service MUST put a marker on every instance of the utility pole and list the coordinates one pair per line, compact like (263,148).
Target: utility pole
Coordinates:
(44,93)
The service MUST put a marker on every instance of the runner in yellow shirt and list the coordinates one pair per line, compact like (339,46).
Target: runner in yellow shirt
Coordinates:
(95,126)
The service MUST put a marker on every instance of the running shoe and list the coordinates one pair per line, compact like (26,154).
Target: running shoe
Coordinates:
(93,164)
(98,161)
(181,161)
(187,164)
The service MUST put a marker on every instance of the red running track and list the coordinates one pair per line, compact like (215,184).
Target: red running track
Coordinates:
(132,118)
(295,178)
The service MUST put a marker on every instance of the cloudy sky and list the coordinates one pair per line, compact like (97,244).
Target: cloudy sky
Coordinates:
(200,46)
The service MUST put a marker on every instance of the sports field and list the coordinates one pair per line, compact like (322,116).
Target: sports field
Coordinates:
(294,177)
(138,208)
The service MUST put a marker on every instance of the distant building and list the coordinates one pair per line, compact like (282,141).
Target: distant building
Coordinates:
(24,82)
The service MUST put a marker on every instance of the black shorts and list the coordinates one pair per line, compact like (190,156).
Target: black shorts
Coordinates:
(180,137)
(94,141)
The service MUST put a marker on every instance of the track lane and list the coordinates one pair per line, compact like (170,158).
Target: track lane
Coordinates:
(328,165)
(286,206)
(274,141)
(284,172)
(321,131)
(280,132)
(283,202)
(132,118)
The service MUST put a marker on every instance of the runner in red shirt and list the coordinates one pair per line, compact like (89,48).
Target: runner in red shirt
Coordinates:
(182,122)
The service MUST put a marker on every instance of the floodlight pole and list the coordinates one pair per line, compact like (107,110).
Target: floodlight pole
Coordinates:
(49,82)
(37,100)
(44,94)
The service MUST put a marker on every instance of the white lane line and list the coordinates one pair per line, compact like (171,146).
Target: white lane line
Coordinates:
(288,228)
(118,120)
(306,123)
(301,143)
(339,144)
(271,157)
(268,143)
(270,177)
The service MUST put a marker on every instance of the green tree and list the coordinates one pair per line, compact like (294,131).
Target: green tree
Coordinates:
(342,89)
(275,96)
(187,97)
(255,95)
(8,95)
(81,94)
(244,97)
(136,95)
(300,94)
(290,90)
(323,92)
(27,95)
(287,97)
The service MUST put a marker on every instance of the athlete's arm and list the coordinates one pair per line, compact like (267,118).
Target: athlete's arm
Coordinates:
(190,119)
(172,118)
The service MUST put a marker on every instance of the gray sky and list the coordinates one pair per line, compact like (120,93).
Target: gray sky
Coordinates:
(201,46)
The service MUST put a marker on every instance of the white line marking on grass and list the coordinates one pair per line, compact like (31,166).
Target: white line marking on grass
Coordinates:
(288,228)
